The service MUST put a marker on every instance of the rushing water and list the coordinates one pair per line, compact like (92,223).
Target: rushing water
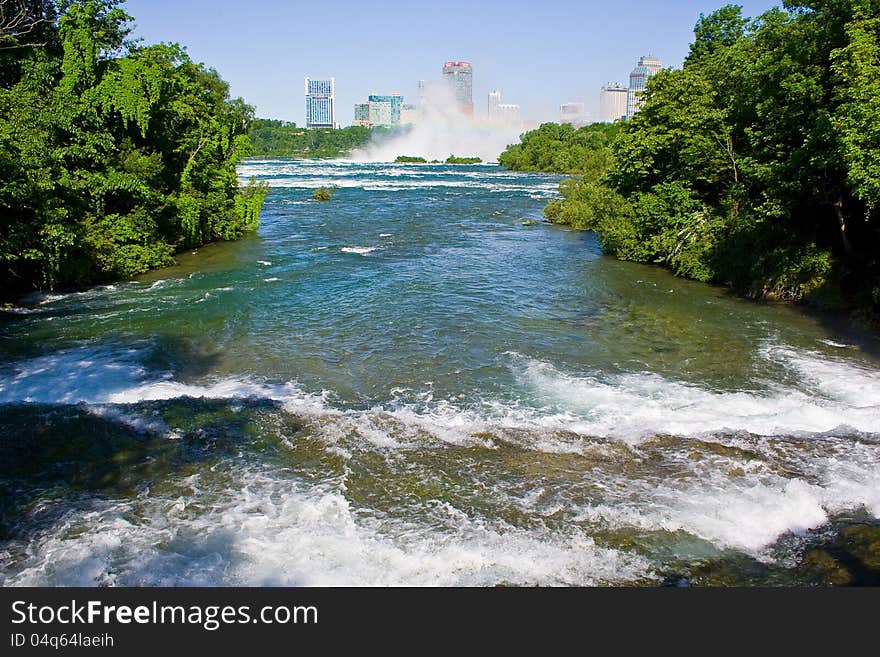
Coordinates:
(407,385)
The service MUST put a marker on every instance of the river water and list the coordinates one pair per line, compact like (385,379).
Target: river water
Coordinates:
(409,386)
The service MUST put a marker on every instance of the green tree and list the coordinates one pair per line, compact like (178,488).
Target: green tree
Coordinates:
(113,155)
(755,165)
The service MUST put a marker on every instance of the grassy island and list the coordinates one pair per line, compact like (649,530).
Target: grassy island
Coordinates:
(463,160)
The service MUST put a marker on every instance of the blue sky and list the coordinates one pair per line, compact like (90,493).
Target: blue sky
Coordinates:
(539,54)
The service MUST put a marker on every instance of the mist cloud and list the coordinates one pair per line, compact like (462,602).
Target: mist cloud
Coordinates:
(442,130)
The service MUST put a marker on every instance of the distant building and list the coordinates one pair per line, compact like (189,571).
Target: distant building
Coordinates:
(638,80)
(320,98)
(422,94)
(380,112)
(410,115)
(460,78)
(573,113)
(612,102)
(502,112)
(494,102)
(385,111)
(507,113)
(362,115)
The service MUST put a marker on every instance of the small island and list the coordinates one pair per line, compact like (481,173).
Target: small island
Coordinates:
(324,193)
(463,160)
(410,159)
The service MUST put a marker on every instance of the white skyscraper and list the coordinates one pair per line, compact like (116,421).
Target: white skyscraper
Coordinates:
(499,112)
(320,98)
(612,102)
(494,102)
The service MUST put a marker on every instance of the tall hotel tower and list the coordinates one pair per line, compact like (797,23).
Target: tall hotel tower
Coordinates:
(320,98)
(494,102)
(612,102)
(638,80)
(460,78)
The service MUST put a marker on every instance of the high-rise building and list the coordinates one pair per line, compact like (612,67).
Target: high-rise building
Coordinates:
(385,110)
(362,115)
(638,80)
(573,113)
(410,115)
(612,102)
(380,112)
(320,98)
(423,94)
(507,113)
(502,112)
(494,102)
(460,78)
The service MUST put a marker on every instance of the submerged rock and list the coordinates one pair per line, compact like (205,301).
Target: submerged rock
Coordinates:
(850,558)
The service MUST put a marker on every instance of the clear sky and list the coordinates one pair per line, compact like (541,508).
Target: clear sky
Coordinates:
(538,54)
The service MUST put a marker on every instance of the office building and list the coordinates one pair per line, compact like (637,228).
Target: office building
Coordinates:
(320,97)
(507,113)
(638,80)
(385,111)
(612,102)
(573,113)
(380,112)
(502,112)
(362,115)
(410,115)
(494,102)
(459,76)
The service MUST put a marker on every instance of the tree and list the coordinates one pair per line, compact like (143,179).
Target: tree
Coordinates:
(113,156)
(756,164)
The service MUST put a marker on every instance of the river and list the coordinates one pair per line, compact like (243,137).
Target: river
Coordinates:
(408,385)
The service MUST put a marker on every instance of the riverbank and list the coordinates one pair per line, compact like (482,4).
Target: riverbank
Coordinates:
(739,182)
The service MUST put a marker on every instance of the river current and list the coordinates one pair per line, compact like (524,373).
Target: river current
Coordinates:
(415,384)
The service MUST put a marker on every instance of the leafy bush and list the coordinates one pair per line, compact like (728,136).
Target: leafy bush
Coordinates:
(324,193)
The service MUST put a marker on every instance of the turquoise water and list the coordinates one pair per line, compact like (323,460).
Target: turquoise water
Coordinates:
(407,385)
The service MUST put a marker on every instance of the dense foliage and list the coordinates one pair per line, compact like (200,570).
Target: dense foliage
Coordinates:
(555,148)
(271,138)
(410,159)
(757,164)
(113,155)
(452,159)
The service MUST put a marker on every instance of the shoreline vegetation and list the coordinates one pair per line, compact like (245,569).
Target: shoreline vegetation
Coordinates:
(114,155)
(755,166)
(272,138)
(452,159)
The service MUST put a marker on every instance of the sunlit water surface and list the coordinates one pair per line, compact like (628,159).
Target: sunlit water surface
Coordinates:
(407,385)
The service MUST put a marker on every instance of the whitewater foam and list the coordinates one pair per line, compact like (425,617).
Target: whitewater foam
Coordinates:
(359,250)
(794,463)
(635,405)
(266,529)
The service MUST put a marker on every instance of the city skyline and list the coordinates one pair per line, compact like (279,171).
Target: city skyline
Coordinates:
(541,59)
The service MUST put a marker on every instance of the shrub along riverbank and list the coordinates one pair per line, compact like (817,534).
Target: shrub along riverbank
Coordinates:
(113,155)
(756,165)
(273,138)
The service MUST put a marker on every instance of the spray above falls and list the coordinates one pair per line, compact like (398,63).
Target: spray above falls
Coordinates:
(442,129)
